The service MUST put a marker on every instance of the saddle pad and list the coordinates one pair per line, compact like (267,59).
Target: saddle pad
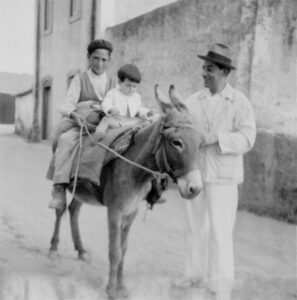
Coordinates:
(94,157)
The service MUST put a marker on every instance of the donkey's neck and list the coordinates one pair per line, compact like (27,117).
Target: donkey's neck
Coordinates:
(142,149)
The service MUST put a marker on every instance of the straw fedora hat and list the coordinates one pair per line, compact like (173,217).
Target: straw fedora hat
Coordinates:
(220,54)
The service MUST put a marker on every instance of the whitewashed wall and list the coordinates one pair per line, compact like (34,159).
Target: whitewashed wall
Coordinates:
(24,114)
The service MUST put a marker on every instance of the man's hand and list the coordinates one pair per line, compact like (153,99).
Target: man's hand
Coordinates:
(209,139)
(77,118)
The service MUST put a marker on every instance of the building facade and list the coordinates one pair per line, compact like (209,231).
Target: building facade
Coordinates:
(64,29)
(15,98)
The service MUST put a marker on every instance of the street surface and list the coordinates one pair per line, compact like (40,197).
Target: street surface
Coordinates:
(265,249)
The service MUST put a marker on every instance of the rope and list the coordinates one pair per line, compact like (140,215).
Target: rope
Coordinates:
(78,161)
(156,174)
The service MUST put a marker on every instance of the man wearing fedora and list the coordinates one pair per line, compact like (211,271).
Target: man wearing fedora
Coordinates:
(226,121)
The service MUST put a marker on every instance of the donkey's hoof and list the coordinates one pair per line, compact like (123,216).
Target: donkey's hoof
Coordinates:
(122,292)
(84,256)
(117,293)
(111,292)
(52,255)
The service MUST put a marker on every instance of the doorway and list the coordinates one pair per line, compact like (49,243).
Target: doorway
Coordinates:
(46,98)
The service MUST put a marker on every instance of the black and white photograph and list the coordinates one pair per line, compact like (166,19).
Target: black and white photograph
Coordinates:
(148,149)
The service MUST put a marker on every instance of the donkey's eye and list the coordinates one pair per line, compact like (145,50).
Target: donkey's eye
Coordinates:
(177,144)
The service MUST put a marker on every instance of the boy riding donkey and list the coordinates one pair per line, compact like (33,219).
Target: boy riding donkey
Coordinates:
(83,107)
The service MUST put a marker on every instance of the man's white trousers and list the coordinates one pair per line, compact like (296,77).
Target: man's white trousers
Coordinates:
(209,236)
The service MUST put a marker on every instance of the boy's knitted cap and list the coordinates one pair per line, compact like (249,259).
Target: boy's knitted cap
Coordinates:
(99,44)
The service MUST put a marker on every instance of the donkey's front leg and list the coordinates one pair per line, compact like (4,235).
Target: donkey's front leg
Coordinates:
(55,238)
(126,225)
(115,250)
(74,209)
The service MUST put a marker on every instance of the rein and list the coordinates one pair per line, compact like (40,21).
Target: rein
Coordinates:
(160,146)
(156,174)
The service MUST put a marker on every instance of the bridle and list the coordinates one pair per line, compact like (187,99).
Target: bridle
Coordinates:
(160,150)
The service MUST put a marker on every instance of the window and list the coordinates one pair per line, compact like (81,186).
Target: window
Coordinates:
(47,16)
(74,10)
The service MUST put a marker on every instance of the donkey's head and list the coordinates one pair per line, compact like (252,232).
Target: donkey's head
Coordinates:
(178,152)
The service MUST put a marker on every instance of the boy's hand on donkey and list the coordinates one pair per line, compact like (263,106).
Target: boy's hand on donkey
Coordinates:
(113,111)
(77,118)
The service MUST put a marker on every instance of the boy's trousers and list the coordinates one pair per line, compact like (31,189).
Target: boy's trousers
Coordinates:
(209,235)
(64,156)
(64,146)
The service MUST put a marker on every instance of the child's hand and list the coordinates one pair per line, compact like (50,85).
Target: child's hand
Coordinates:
(96,106)
(143,117)
(113,111)
(150,114)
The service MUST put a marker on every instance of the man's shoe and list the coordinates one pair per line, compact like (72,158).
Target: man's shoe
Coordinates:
(58,200)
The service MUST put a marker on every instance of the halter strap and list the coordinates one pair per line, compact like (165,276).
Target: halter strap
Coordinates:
(161,153)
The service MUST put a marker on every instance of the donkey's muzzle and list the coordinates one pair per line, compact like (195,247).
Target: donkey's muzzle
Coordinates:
(190,184)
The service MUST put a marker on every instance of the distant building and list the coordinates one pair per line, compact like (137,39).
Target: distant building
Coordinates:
(13,87)
(64,29)
(23,117)
(7,108)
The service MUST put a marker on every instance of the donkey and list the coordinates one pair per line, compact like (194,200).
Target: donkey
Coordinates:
(169,145)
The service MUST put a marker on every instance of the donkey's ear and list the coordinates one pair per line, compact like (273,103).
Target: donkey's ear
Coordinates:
(176,98)
(162,100)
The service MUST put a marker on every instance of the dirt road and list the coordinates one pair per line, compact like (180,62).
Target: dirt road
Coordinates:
(265,249)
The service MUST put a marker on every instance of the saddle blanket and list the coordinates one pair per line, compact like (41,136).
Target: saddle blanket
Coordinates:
(94,157)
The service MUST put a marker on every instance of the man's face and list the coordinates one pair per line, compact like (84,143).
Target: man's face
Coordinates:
(99,61)
(128,87)
(212,75)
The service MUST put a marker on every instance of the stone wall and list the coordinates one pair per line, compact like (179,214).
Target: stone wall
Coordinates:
(123,11)
(262,33)
(165,43)
(270,186)
(113,12)
(271,178)
(273,86)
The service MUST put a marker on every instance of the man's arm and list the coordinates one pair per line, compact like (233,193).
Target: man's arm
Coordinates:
(67,107)
(243,138)
(68,104)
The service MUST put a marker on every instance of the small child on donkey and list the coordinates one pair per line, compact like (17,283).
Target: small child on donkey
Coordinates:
(123,101)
